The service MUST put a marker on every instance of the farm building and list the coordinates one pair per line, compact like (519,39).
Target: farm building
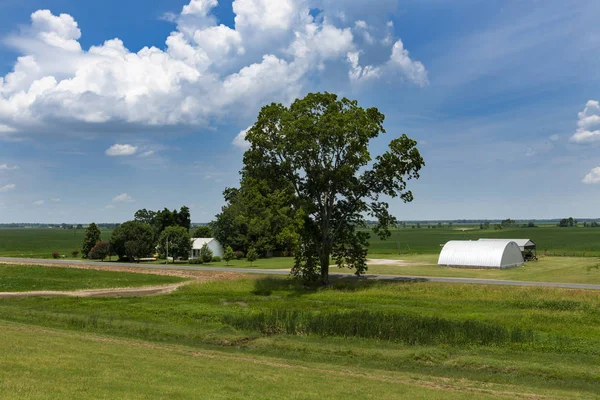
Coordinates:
(212,243)
(481,254)
(528,247)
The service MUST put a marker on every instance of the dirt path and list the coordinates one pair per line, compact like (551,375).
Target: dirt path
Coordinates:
(393,263)
(195,276)
(117,292)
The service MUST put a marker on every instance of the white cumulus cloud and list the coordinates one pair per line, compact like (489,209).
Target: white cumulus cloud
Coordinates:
(123,198)
(588,126)
(240,140)
(593,177)
(205,70)
(39,203)
(7,188)
(119,150)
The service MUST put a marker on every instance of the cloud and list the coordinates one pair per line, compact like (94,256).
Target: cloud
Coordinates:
(147,153)
(555,138)
(7,188)
(240,140)
(119,150)
(205,70)
(55,200)
(123,198)
(6,167)
(593,177)
(39,203)
(588,126)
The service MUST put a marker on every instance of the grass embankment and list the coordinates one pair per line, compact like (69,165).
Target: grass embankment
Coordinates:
(41,242)
(537,340)
(20,278)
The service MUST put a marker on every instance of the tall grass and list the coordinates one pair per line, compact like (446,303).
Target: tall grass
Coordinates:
(394,327)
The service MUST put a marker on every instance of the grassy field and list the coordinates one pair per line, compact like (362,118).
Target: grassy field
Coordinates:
(550,240)
(271,338)
(20,278)
(40,242)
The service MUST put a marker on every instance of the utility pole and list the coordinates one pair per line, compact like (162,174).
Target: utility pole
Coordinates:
(167,258)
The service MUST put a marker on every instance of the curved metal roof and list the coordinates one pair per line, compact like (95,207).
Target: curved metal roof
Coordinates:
(481,254)
(522,243)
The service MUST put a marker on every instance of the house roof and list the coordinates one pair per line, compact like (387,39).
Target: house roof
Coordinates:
(197,243)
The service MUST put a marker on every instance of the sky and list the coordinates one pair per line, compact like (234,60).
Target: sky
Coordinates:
(109,107)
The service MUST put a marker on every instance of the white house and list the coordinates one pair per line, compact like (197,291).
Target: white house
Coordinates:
(212,244)
(481,254)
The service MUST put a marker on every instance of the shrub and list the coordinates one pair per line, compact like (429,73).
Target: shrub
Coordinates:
(206,254)
(75,253)
(55,254)
(196,261)
(239,255)
(100,251)
(252,256)
(229,255)
(216,259)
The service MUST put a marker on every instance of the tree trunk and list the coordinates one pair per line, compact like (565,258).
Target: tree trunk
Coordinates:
(325,268)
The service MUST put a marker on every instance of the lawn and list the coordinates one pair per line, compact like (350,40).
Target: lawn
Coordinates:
(20,278)
(60,365)
(510,341)
(547,269)
(41,242)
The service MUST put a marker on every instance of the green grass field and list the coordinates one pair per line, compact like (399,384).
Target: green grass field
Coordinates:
(20,278)
(550,240)
(469,341)
(40,242)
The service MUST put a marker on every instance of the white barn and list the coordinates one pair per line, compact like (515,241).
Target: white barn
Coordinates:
(212,243)
(481,254)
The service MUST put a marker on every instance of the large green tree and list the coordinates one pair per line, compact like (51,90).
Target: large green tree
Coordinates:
(162,219)
(132,240)
(90,238)
(319,147)
(258,216)
(175,239)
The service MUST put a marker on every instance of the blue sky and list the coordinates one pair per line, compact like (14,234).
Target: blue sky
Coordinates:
(108,107)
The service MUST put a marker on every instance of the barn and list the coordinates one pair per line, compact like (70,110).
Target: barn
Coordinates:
(212,244)
(481,254)
(527,246)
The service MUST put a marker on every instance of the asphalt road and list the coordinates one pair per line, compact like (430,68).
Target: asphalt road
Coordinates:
(474,281)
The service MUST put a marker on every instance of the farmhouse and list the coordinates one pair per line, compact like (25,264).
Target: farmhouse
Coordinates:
(481,254)
(212,244)
(527,246)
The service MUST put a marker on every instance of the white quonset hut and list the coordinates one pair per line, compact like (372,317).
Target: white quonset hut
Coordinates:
(212,244)
(481,254)
(527,246)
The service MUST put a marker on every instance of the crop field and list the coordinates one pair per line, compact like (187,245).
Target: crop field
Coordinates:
(41,242)
(550,240)
(273,338)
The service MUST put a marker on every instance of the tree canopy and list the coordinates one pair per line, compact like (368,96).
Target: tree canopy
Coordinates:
(258,216)
(179,242)
(318,150)
(90,238)
(132,240)
(203,232)
(162,219)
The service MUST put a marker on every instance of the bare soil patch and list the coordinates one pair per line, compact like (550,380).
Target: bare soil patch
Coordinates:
(393,263)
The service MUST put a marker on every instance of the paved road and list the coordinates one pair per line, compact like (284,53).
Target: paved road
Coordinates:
(475,281)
